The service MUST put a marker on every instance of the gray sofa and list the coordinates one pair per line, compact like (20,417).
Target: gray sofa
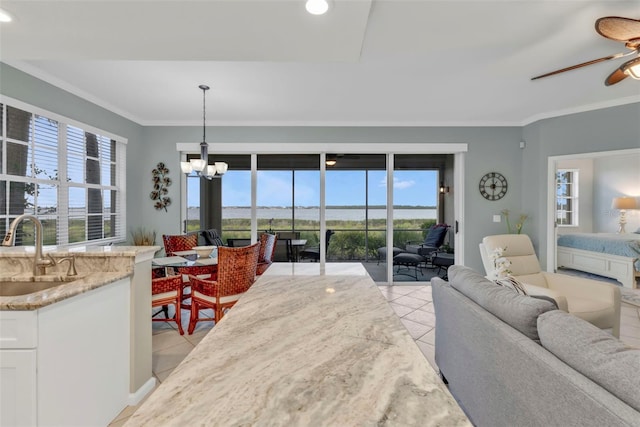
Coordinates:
(514,360)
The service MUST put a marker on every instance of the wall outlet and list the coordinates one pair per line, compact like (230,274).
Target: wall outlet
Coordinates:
(497,218)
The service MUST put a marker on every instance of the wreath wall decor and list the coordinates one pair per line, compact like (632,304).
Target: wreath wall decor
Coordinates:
(161,182)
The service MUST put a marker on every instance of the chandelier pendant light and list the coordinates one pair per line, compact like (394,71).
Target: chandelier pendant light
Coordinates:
(201,166)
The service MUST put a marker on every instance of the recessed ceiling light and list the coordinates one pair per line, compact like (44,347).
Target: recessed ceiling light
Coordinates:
(5,16)
(317,7)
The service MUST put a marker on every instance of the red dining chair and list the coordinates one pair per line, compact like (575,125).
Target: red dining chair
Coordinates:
(208,272)
(267,251)
(175,243)
(179,242)
(167,291)
(236,274)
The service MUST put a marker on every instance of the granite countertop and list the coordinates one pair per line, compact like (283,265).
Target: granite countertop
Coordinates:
(66,290)
(79,251)
(96,266)
(304,349)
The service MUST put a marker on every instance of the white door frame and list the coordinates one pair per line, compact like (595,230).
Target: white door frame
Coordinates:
(552,163)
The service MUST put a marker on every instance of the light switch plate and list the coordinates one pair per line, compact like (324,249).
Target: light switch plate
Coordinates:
(496,218)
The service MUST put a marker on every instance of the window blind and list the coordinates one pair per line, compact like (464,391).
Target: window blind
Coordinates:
(69,175)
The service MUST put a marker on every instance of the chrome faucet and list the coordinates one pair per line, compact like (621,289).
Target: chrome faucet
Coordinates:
(40,264)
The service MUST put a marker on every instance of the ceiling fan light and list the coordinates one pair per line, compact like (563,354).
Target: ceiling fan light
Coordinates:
(317,7)
(632,69)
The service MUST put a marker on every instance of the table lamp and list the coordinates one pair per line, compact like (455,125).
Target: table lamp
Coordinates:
(623,204)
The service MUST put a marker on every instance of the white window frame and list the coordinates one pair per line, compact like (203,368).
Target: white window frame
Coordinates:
(62,233)
(574,197)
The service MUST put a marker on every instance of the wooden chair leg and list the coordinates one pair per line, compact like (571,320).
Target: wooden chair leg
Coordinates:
(178,317)
(193,319)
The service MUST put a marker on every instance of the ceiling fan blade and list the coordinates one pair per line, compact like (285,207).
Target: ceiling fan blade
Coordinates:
(618,28)
(584,64)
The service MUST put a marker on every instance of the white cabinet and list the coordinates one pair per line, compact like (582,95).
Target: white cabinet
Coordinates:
(18,340)
(18,387)
(66,363)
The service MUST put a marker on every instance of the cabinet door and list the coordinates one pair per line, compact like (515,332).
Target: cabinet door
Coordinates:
(18,387)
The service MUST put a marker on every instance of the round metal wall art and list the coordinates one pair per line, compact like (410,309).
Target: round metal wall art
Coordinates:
(161,182)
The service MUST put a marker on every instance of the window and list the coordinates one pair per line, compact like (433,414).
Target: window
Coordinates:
(567,197)
(68,175)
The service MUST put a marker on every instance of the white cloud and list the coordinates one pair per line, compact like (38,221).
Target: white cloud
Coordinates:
(397,184)
(403,184)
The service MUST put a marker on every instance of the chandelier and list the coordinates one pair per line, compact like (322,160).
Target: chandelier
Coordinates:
(201,166)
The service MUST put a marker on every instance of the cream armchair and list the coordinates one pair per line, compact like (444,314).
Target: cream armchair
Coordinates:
(592,300)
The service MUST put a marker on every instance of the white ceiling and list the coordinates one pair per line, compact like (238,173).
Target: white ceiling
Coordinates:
(366,62)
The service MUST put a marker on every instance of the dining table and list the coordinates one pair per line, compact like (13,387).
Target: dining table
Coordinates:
(186,258)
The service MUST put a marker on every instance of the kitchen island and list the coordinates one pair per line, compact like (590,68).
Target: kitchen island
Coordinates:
(310,344)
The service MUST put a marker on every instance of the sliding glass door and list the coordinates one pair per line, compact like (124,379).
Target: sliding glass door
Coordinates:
(281,193)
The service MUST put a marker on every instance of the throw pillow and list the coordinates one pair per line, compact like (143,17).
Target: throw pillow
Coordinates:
(593,352)
(510,282)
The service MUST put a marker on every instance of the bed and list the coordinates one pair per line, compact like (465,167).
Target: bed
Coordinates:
(606,254)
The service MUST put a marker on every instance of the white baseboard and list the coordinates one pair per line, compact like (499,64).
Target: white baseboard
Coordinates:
(136,397)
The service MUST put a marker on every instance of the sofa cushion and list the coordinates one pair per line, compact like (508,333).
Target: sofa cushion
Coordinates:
(519,311)
(596,354)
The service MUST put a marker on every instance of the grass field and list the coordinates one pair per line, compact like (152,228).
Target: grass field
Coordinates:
(352,239)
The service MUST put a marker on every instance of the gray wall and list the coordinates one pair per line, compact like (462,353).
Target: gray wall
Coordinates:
(617,176)
(490,149)
(615,128)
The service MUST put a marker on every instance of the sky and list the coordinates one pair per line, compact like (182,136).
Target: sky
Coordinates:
(343,188)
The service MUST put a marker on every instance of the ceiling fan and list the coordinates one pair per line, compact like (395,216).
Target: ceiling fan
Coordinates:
(625,30)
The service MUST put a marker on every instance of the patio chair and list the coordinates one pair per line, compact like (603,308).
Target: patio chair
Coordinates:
(211,237)
(432,241)
(284,251)
(313,253)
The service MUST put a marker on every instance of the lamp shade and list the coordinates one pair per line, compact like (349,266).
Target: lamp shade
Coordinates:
(210,171)
(186,167)
(624,203)
(221,167)
(198,165)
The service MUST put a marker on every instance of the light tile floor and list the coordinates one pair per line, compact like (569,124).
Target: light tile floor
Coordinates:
(413,304)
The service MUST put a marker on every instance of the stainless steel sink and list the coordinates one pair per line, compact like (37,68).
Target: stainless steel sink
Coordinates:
(11,288)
